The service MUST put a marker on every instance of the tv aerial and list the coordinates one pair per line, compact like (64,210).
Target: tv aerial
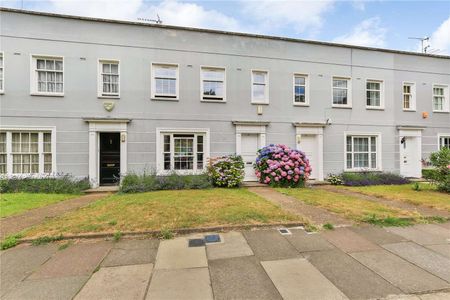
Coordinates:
(422,40)
(156,21)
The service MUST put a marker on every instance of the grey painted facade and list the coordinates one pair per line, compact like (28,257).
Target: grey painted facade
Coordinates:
(82,42)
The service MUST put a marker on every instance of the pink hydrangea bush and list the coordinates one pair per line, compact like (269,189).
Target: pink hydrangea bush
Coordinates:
(279,165)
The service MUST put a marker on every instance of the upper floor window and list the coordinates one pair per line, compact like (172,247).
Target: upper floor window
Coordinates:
(213,84)
(260,87)
(47,76)
(409,96)
(165,81)
(374,94)
(362,152)
(440,98)
(2,72)
(341,92)
(109,80)
(29,152)
(300,90)
(444,141)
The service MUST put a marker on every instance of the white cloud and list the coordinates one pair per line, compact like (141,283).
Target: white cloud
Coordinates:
(440,39)
(278,14)
(359,5)
(367,33)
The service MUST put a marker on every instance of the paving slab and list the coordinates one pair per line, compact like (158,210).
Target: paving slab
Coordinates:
(304,242)
(47,289)
(436,296)
(123,282)
(378,235)
(17,263)
(352,278)
(348,241)
(270,245)
(417,236)
(298,279)
(183,284)
(445,225)
(404,275)
(429,260)
(233,245)
(435,230)
(443,249)
(401,297)
(132,252)
(175,254)
(241,278)
(77,260)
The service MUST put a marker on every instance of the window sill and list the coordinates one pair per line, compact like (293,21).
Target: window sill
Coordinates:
(374,108)
(409,110)
(48,94)
(441,111)
(108,97)
(213,101)
(341,106)
(301,104)
(362,170)
(164,99)
(260,103)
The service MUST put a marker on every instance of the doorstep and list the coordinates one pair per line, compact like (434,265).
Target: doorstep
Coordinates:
(103,189)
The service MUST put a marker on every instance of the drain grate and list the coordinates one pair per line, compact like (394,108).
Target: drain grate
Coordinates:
(196,242)
(284,231)
(212,238)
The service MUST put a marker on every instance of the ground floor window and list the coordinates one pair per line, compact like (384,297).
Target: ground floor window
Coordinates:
(25,152)
(183,151)
(361,152)
(444,141)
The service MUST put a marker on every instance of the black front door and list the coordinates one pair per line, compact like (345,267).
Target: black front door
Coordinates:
(109,158)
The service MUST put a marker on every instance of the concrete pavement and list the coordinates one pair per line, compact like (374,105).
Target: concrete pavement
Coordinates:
(410,263)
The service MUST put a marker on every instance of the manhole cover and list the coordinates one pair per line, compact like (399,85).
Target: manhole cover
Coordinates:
(212,238)
(284,231)
(196,242)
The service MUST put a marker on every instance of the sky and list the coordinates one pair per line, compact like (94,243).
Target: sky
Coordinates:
(376,23)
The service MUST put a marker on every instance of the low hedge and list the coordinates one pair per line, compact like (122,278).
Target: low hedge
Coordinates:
(367,178)
(64,184)
(134,183)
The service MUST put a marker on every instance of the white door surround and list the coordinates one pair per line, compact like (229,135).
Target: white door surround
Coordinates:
(309,138)
(97,125)
(410,154)
(249,135)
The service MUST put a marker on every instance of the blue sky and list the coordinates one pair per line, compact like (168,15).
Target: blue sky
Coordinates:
(385,24)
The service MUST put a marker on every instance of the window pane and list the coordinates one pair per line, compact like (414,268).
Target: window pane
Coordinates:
(341,83)
(373,98)
(50,64)
(106,68)
(114,68)
(373,144)
(373,85)
(259,77)
(168,72)
(361,160)
(213,88)
(214,75)
(58,65)
(300,80)
(339,96)
(40,64)
(349,161)
(259,92)
(349,143)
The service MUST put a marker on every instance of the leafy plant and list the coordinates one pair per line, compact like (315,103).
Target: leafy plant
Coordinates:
(117,236)
(281,166)
(112,222)
(389,221)
(372,178)
(51,184)
(226,171)
(441,163)
(335,179)
(65,245)
(328,226)
(43,240)
(311,228)
(10,241)
(166,234)
(416,187)
(146,182)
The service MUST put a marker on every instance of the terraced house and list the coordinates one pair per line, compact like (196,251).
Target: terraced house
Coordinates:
(100,98)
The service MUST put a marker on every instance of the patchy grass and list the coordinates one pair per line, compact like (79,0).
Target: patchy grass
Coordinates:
(165,209)
(425,194)
(389,221)
(348,206)
(10,241)
(16,203)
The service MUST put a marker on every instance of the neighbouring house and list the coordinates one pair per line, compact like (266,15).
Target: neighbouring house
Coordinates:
(99,98)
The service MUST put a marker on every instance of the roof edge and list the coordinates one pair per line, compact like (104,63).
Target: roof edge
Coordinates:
(251,35)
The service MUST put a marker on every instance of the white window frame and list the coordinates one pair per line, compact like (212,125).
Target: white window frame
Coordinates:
(33,75)
(40,130)
(213,99)
(2,89)
(381,82)
(160,132)
(100,93)
(446,103)
(377,136)
(440,137)
(306,76)
(349,92)
(266,85)
(412,101)
(154,96)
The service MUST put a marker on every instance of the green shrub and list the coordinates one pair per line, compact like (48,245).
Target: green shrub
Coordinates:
(226,171)
(65,184)
(372,178)
(10,241)
(133,183)
(441,162)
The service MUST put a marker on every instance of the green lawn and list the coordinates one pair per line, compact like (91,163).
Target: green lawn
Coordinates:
(165,210)
(350,207)
(427,196)
(16,203)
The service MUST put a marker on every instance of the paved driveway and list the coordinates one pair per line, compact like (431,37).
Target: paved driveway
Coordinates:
(345,263)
